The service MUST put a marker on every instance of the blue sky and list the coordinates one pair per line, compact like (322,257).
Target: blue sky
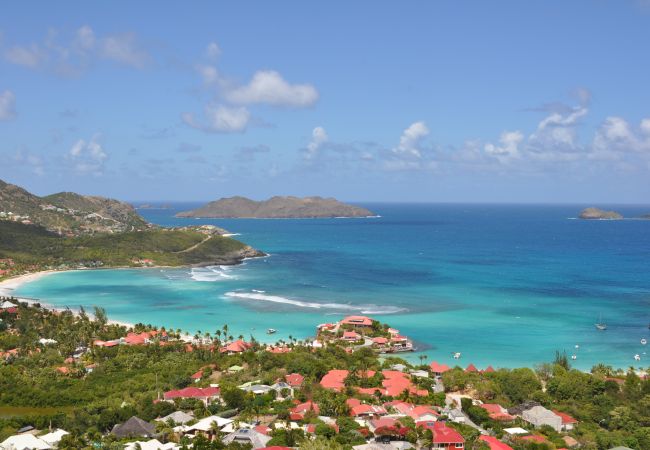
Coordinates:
(448,101)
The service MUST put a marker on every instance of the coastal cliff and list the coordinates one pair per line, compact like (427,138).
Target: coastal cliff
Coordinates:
(599,214)
(277,208)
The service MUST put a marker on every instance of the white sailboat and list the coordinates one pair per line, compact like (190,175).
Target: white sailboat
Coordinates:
(600,325)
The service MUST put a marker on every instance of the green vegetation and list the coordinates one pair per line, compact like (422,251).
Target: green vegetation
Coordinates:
(105,386)
(31,245)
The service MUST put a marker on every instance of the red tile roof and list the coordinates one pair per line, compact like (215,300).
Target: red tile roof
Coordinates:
(357,320)
(351,336)
(566,419)
(294,379)
(238,346)
(364,409)
(334,379)
(471,368)
(442,434)
(497,412)
(192,392)
(299,411)
(198,375)
(439,368)
(494,443)
(489,369)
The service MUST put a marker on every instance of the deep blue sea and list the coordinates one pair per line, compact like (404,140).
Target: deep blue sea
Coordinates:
(506,285)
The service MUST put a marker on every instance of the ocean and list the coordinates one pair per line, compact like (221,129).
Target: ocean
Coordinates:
(505,285)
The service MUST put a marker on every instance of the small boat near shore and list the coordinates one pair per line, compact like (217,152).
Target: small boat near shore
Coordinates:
(271,331)
(600,325)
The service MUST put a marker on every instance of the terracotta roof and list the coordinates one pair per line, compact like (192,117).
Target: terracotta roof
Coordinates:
(357,320)
(442,434)
(439,368)
(294,379)
(494,443)
(365,409)
(334,379)
(471,368)
(192,392)
(566,419)
(238,346)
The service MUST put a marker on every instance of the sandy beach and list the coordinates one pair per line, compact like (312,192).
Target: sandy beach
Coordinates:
(8,286)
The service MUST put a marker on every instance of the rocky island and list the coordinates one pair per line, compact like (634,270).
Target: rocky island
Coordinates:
(277,208)
(599,214)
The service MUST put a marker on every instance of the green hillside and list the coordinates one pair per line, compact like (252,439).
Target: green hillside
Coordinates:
(33,245)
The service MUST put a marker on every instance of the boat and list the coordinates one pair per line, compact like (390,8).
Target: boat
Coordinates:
(457,355)
(574,357)
(644,341)
(271,331)
(600,325)
(637,357)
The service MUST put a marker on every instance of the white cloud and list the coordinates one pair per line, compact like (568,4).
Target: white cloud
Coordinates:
(26,159)
(508,147)
(409,142)
(318,138)
(213,51)
(7,105)
(123,49)
(73,56)
(88,157)
(210,74)
(85,37)
(616,136)
(268,87)
(29,56)
(220,119)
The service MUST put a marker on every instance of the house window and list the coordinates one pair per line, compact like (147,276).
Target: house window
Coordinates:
(459,445)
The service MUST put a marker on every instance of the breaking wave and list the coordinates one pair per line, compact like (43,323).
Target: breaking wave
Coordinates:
(363,309)
(212,273)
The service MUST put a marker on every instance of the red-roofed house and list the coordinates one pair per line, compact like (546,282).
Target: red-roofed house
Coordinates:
(350,336)
(264,429)
(357,321)
(494,443)
(438,369)
(380,341)
(444,437)
(568,422)
(299,411)
(497,412)
(206,395)
(367,411)
(197,376)
(489,369)
(113,343)
(238,346)
(471,368)
(334,380)
(385,425)
(294,380)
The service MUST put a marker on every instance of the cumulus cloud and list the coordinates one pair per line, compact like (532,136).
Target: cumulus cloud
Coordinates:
(508,147)
(318,138)
(220,119)
(24,158)
(88,157)
(210,74)
(268,87)
(7,105)
(616,136)
(411,139)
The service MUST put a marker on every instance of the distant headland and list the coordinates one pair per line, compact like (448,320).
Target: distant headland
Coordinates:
(277,208)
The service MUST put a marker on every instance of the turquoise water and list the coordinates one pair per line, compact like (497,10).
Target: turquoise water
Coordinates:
(504,285)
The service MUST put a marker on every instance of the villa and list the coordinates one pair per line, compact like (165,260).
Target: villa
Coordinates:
(206,395)
(444,437)
(438,369)
(357,321)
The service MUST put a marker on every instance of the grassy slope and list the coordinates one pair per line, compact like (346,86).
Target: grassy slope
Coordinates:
(35,245)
